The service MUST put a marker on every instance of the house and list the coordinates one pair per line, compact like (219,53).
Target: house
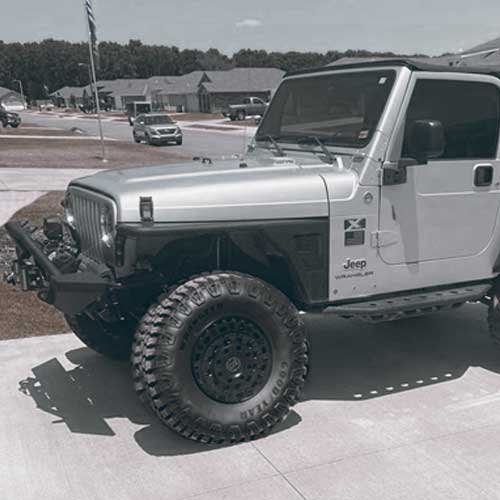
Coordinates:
(230,87)
(485,54)
(102,89)
(198,91)
(11,100)
(122,91)
(67,97)
(212,91)
(182,92)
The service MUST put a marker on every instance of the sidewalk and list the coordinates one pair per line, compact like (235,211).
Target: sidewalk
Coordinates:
(12,201)
(409,410)
(39,179)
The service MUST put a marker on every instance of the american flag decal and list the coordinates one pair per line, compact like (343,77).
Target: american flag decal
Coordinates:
(354,224)
(92,28)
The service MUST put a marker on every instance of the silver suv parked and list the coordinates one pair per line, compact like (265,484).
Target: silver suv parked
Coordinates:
(371,191)
(157,129)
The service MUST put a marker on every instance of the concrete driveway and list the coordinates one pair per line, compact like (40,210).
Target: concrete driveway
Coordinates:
(408,410)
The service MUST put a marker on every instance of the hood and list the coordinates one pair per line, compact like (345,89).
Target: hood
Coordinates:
(223,191)
(161,126)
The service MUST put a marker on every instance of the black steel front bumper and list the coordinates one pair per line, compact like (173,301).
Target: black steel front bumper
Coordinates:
(70,293)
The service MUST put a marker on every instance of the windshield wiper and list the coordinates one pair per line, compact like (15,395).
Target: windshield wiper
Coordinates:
(270,138)
(313,138)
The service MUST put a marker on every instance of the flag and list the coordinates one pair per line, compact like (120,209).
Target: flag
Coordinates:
(92,30)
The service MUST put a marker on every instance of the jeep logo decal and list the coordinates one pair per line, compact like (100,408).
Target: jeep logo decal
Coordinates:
(355,264)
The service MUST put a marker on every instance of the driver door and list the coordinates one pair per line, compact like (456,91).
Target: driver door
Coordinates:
(448,208)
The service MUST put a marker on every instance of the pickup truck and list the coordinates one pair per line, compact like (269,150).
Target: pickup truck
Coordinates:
(136,108)
(252,106)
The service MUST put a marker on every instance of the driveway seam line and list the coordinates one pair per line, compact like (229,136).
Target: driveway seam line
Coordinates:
(279,472)
(391,448)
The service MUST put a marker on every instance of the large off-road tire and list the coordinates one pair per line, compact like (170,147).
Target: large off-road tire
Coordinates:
(113,340)
(221,358)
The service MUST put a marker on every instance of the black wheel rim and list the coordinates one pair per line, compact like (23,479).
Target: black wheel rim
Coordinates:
(232,360)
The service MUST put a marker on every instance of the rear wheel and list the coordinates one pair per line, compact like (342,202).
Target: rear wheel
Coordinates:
(241,115)
(113,340)
(221,358)
(494,320)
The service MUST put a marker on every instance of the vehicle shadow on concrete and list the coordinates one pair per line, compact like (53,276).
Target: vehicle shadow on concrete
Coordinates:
(351,360)
(85,399)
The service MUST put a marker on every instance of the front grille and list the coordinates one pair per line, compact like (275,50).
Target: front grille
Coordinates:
(166,130)
(87,209)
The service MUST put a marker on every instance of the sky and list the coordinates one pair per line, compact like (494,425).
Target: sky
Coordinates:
(417,26)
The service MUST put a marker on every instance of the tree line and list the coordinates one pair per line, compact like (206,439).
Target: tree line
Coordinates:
(51,64)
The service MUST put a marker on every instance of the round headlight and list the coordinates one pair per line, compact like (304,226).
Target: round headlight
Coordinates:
(68,210)
(106,223)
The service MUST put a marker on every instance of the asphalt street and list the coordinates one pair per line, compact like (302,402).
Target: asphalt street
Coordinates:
(407,410)
(200,142)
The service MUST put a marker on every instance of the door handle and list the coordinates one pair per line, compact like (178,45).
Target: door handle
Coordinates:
(483,175)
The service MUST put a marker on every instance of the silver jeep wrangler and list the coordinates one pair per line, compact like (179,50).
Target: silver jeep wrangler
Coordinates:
(371,190)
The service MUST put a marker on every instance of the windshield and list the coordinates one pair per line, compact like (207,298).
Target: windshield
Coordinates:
(157,120)
(340,109)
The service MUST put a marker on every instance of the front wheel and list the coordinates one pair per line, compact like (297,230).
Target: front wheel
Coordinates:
(113,340)
(179,142)
(221,358)
(136,138)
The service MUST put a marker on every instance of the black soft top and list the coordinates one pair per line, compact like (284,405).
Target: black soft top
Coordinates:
(413,64)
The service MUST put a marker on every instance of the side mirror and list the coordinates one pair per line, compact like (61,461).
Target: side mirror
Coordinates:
(425,140)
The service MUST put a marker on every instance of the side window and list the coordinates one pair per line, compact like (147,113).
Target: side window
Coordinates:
(258,101)
(469,112)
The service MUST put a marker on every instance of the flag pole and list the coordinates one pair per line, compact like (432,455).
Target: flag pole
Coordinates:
(96,92)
